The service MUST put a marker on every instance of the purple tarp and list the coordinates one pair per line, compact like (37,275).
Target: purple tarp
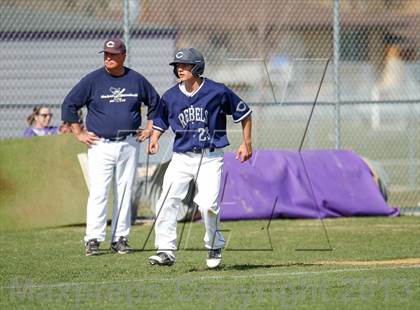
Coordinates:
(340,181)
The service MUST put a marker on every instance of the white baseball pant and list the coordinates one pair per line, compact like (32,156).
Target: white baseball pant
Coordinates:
(181,170)
(108,160)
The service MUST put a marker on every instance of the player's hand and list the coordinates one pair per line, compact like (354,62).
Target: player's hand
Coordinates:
(87,137)
(144,134)
(244,152)
(153,146)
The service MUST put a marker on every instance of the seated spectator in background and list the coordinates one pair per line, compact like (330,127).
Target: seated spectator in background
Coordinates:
(39,123)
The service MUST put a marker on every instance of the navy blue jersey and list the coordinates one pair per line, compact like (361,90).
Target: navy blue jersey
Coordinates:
(199,121)
(113,102)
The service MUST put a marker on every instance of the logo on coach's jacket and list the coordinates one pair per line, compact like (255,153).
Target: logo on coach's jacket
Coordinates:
(117,95)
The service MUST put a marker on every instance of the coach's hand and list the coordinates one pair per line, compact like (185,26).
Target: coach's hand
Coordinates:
(144,134)
(244,152)
(86,137)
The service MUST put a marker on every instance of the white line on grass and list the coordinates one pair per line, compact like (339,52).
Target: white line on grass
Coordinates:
(217,277)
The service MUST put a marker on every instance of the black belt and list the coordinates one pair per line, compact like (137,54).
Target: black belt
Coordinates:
(199,151)
(117,139)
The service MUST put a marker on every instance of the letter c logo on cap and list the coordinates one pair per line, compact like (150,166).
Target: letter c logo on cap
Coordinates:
(179,55)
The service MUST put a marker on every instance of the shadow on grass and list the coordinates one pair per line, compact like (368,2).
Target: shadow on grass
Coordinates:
(244,267)
(261,266)
(139,221)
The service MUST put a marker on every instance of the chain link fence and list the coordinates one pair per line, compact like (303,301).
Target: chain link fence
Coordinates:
(270,52)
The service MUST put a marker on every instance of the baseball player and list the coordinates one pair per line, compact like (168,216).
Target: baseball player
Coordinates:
(196,110)
(113,96)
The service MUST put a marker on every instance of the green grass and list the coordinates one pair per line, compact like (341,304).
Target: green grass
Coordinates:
(41,183)
(47,268)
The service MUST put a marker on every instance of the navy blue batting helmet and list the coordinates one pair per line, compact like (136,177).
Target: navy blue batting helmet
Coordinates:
(189,56)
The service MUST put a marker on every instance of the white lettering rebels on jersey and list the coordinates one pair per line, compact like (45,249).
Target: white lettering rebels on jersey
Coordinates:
(117,95)
(193,114)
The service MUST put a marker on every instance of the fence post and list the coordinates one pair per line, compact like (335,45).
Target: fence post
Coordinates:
(336,47)
(126,10)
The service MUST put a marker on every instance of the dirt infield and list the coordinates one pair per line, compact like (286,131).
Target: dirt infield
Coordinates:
(398,262)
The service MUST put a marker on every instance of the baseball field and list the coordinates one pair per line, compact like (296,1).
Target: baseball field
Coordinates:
(365,263)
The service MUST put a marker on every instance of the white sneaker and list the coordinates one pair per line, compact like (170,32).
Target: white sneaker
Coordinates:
(161,259)
(214,258)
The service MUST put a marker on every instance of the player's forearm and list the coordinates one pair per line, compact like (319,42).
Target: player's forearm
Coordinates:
(149,125)
(156,135)
(246,130)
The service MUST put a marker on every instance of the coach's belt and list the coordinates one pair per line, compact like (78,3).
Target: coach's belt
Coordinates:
(199,151)
(117,139)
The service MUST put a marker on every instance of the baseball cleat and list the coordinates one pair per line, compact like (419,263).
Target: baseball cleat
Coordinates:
(121,246)
(162,259)
(214,258)
(92,247)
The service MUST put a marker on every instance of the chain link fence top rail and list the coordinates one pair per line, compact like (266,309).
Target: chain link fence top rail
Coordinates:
(272,53)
